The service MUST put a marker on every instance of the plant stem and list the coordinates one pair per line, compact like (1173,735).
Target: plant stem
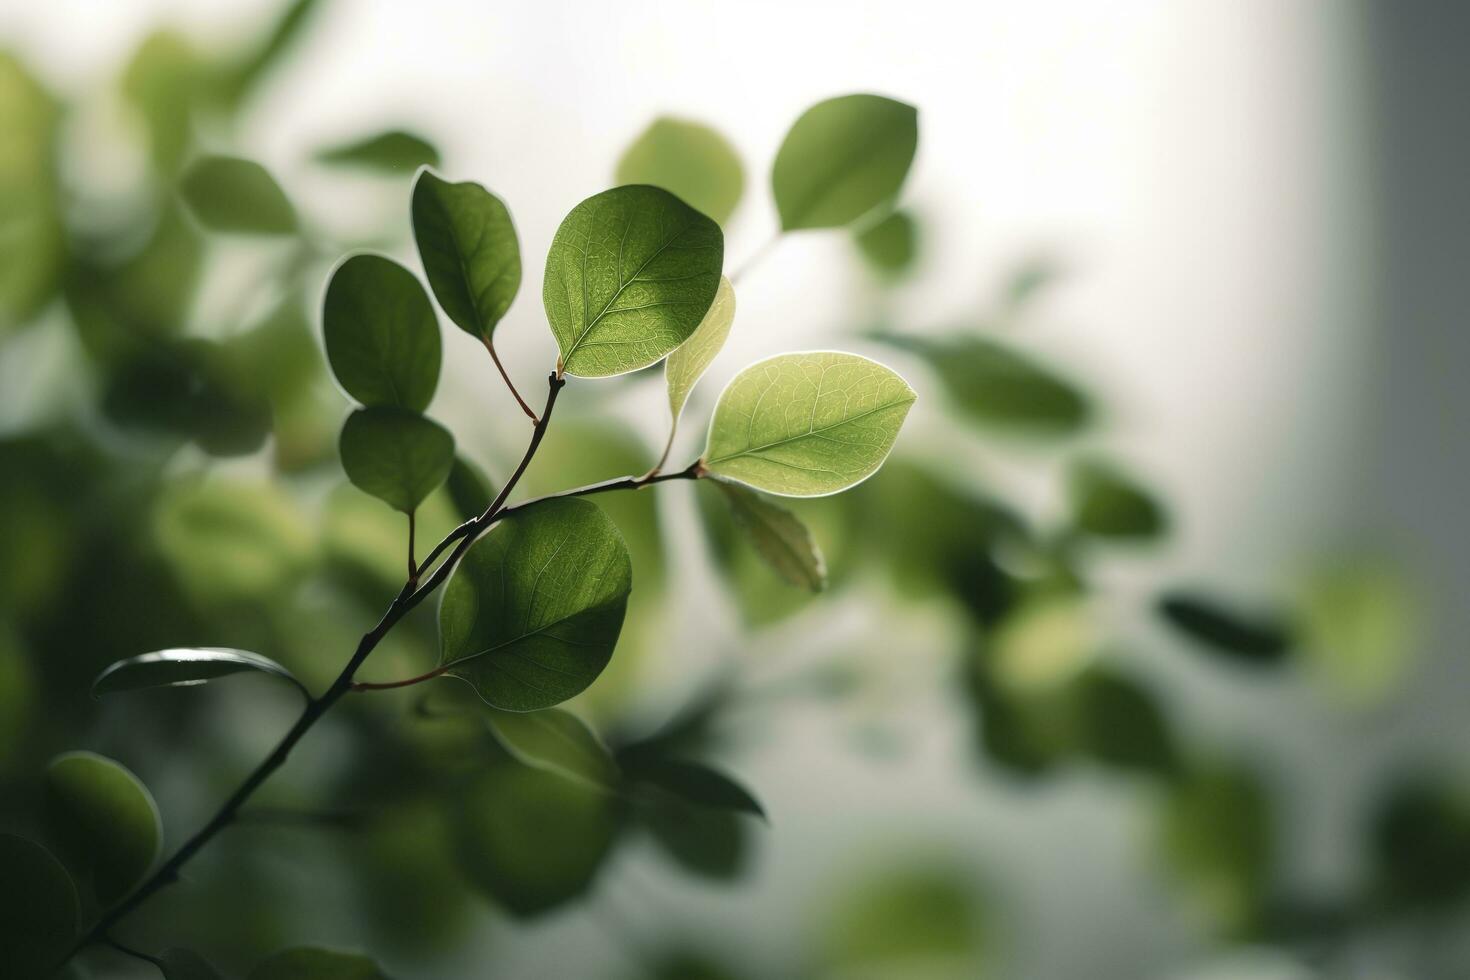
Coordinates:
(490,346)
(668,447)
(136,954)
(756,257)
(408,597)
(413,570)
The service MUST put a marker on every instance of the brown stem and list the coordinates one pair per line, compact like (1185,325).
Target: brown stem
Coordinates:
(490,346)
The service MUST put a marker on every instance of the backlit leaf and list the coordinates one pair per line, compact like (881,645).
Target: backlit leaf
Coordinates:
(400,457)
(183,668)
(779,536)
(556,741)
(105,819)
(630,275)
(393,151)
(469,249)
(234,195)
(804,425)
(381,335)
(890,245)
(688,159)
(687,364)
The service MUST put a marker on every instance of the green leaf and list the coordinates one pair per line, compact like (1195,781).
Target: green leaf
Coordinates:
(556,741)
(184,667)
(890,245)
(698,784)
(381,335)
(469,489)
(630,275)
(258,61)
(688,159)
(1121,725)
(996,385)
(185,964)
(779,536)
(1106,503)
(468,246)
(705,841)
(32,239)
(919,920)
(687,364)
(393,151)
(530,840)
(1359,620)
(39,912)
(315,963)
(1044,642)
(1217,835)
(234,195)
(805,425)
(397,456)
(533,611)
(166,81)
(1257,639)
(842,159)
(106,820)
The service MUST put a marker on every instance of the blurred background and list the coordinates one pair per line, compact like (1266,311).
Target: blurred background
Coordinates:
(1142,657)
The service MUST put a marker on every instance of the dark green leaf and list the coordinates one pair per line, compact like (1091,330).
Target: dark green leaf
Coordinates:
(394,151)
(779,536)
(630,275)
(842,159)
(531,840)
(687,159)
(315,963)
(235,195)
(1420,844)
(39,912)
(1106,503)
(1253,639)
(705,841)
(381,335)
(185,964)
(183,668)
(1217,834)
(698,784)
(469,249)
(890,245)
(556,741)
(808,424)
(1120,724)
(533,611)
(468,488)
(105,819)
(400,457)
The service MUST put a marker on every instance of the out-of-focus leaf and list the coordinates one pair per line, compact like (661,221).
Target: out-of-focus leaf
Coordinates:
(630,275)
(257,61)
(688,159)
(532,613)
(17,697)
(315,963)
(234,195)
(1121,725)
(909,922)
(39,912)
(184,668)
(999,386)
(1106,503)
(686,365)
(779,536)
(185,964)
(1358,626)
(393,151)
(708,842)
(1420,841)
(230,540)
(698,784)
(165,81)
(1217,838)
(1027,280)
(1044,643)
(31,233)
(105,820)
(398,456)
(539,851)
(842,159)
(381,334)
(1248,638)
(556,741)
(684,965)
(469,490)
(891,245)
(806,425)
(468,245)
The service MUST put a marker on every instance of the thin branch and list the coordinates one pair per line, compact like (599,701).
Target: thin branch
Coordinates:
(490,346)
(389,685)
(413,570)
(136,954)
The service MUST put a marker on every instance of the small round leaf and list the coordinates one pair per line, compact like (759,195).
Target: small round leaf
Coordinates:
(105,819)
(397,456)
(469,249)
(1107,503)
(235,195)
(688,159)
(381,335)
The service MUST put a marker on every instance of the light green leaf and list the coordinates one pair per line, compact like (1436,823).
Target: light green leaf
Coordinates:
(1360,625)
(842,159)
(381,335)
(533,611)
(393,151)
(688,159)
(183,668)
(185,964)
(687,364)
(919,919)
(891,245)
(779,537)
(315,963)
(631,273)
(231,194)
(258,61)
(105,819)
(468,246)
(809,424)
(39,912)
(397,456)
(166,81)
(1106,503)
(32,243)
(557,741)
(1044,643)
